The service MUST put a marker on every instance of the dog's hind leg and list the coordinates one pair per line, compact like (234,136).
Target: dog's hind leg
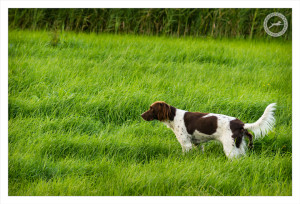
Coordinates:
(250,137)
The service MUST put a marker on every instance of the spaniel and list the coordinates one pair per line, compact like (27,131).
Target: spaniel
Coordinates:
(194,128)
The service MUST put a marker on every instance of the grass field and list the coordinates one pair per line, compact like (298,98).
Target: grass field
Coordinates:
(75,125)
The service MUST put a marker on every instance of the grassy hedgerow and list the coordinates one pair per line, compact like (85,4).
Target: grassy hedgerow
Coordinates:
(214,22)
(75,125)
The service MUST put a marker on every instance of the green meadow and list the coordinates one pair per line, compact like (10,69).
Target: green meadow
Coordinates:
(75,101)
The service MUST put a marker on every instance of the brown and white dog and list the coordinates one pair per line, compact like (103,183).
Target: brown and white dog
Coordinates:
(193,128)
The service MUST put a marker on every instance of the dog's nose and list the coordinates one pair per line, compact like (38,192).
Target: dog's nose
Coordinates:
(143,116)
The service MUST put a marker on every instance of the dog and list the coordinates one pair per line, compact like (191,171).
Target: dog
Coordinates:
(194,128)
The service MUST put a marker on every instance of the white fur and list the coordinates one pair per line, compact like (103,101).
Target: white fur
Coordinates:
(223,132)
(264,124)
(178,127)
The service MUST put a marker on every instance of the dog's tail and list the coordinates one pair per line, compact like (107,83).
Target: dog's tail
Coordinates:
(264,124)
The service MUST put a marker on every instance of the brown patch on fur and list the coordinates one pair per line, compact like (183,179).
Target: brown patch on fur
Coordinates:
(195,121)
(161,111)
(237,128)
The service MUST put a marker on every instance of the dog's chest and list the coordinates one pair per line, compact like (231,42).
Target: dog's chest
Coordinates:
(179,125)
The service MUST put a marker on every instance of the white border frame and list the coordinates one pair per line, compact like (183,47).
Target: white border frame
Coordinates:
(295,5)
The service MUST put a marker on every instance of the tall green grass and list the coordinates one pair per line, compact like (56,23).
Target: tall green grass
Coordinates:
(217,22)
(75,125)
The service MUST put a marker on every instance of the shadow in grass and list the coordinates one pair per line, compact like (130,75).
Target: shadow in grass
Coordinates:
(118,151)
(34,167)
(268,145)
(61,157)
(272,146)
(146,151)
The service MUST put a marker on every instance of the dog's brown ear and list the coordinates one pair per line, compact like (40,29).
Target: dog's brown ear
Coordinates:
(164,111)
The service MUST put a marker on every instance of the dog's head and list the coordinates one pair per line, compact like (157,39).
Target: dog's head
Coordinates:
(159,110)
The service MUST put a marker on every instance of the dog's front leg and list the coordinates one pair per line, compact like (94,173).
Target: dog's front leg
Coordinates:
(186,148)
(202,148)
(185,143)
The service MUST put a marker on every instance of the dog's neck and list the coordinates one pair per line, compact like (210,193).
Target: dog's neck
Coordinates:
(169,123)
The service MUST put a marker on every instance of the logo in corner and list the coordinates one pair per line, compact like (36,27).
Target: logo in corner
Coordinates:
(279,22)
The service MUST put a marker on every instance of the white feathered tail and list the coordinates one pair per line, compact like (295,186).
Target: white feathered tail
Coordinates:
(264,124)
